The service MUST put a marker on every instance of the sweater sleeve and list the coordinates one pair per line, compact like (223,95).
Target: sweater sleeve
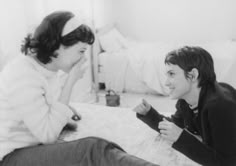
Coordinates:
(152,118)
(31,100)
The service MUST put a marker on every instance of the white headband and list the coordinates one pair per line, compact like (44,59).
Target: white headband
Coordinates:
(71,25)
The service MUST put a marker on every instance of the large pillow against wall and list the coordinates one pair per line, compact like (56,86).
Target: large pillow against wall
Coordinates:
(112,40)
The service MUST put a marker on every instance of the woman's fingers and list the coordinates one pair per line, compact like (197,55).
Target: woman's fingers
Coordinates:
(169,130)
(79,68)
(145,103)
(164,132)
(142,108)
(84,68)
(82,61)
(139,109)
(164,125)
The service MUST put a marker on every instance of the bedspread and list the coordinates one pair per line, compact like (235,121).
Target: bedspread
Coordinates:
(121,126)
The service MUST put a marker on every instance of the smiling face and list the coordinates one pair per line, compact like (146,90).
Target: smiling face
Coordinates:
(179,86)
(69,56)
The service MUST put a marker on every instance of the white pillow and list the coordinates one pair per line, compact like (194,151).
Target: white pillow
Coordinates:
(112,41)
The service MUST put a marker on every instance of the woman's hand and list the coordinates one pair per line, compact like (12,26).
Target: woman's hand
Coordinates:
(76,73)
(78,70)
(142,108)
(169,130)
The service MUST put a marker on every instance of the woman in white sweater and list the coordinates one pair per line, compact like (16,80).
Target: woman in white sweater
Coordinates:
(34,106)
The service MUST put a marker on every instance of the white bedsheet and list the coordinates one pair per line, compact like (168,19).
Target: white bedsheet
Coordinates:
(147,61)
(121,126)
(119,75)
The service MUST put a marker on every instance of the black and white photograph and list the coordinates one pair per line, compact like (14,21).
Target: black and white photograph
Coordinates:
(117,83)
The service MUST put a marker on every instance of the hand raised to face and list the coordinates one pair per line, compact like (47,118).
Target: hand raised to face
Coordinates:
(78,69)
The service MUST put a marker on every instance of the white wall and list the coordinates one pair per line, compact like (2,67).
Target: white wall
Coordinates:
(103,12)
(12,30)
(21,17)
(173,20)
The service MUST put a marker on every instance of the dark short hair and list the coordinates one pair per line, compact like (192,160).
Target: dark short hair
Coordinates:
(188,58)
(47,37)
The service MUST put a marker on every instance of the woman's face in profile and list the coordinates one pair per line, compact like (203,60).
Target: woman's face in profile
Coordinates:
(69,56)
(179,86)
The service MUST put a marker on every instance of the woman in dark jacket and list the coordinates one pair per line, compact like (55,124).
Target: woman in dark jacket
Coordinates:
(204,126)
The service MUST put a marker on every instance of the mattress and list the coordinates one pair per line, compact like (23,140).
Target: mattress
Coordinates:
(128,78)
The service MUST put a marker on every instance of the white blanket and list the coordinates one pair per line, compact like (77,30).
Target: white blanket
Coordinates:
(147,60)
(121,126)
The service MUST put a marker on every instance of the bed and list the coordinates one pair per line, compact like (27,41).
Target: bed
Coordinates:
(120,125)
(118,67)
(127,65)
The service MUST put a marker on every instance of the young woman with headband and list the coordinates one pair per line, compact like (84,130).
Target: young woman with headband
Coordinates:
(34,106)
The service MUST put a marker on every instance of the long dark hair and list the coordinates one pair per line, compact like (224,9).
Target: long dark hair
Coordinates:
(47,37)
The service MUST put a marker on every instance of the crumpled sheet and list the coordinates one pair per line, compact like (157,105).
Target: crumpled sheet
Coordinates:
(121,126)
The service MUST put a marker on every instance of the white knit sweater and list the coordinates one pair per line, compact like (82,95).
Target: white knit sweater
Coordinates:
(29,111)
